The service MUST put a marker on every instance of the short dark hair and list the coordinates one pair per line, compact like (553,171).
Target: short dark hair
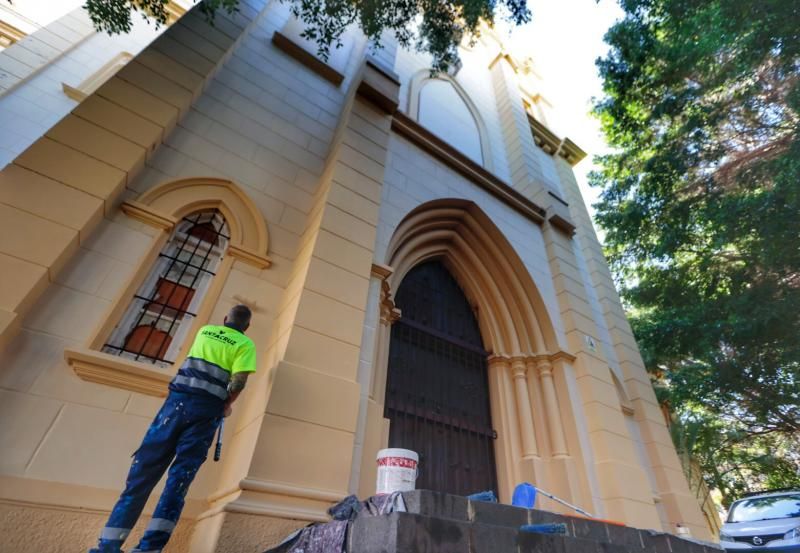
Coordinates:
(239,316)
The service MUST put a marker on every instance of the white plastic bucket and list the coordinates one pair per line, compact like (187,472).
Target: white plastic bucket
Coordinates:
(397,470)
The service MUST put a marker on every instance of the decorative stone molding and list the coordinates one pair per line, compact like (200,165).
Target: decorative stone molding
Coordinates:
(544,137)
(426,140)
(511,312)
(248,256)
(281,488)
(148,215)
(164,205)
(9,34)
(548,141)
(102,368)
(571,152)
(82,91)
(626,405)
(559,355)
(380,86)
(389,314)
(294,50)
(562,224)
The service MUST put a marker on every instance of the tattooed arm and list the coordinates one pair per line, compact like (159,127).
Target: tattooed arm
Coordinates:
(235,387)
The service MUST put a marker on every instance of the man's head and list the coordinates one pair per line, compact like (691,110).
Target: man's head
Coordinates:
(239,317)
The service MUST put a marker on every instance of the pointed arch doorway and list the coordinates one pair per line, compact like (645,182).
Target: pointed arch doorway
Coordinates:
(437,392)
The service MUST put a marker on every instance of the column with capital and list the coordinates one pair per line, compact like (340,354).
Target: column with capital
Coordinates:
(529,445)
(558,445)
(508,448)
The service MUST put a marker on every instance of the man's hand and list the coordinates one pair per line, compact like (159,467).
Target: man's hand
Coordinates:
(228,410)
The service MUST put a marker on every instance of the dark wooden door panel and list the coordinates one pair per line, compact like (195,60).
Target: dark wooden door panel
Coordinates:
(437,395)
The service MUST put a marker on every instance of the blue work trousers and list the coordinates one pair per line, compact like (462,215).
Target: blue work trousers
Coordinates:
(181,434)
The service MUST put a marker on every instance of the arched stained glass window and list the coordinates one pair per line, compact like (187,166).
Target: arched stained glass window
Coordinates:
(161,313)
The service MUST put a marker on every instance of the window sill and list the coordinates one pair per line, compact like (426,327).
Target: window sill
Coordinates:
(102,368)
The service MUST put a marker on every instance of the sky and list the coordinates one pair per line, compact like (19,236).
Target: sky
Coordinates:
(564,39)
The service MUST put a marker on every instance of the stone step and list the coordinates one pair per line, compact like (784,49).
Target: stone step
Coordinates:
(412,533)
(441,523)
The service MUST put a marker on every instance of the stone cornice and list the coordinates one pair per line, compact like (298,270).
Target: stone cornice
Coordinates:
(544,137)
(562,224)
(291,48)
(560,355)
(548,141)
(438,148)
(380,86)
(571,152)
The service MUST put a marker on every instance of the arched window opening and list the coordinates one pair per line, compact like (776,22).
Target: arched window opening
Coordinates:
(444,112)
(155,324)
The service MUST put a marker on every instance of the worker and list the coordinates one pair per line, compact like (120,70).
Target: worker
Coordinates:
(200,395)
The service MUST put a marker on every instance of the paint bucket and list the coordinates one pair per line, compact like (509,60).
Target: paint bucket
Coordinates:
(397,470)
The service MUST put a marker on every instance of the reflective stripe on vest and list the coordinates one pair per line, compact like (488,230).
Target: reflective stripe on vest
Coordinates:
(203,375)
(193,382)
(115,534)
(197,364)
(161,525)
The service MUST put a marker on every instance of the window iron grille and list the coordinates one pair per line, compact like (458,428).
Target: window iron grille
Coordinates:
(162,310)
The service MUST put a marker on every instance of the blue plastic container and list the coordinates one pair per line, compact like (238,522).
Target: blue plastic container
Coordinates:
(524,496)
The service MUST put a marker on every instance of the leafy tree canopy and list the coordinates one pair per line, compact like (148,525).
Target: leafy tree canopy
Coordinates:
(440,25)
(701,208)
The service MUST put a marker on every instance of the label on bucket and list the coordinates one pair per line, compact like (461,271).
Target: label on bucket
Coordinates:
(396,474)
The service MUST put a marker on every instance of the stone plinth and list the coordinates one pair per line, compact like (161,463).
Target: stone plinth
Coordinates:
(440,523)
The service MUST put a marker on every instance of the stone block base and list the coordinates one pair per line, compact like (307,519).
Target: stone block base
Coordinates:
(41,529)
(248,533)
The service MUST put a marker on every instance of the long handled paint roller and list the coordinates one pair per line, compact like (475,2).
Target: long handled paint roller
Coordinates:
(218,449)
(569,505)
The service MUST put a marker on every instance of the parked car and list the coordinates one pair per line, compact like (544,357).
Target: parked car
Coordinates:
(768,521)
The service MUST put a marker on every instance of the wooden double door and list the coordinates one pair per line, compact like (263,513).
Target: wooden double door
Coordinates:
(437,393)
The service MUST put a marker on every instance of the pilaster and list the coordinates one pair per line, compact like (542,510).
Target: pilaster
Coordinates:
(526,173)
(316,412)
(558,445)
(622,485)
(508,446)
(680,504)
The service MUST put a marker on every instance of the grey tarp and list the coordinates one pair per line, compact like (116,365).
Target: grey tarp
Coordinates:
(331,537)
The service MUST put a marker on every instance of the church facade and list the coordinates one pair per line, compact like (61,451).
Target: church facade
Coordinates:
(421,267)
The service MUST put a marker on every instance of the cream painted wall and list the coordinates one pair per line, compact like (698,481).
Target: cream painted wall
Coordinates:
(33,106)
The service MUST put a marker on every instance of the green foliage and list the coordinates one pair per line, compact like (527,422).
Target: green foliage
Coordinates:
(701,208)
(115,16)
(435,26)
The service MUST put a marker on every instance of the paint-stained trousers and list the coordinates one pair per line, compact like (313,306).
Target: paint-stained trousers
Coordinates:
(181,434)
